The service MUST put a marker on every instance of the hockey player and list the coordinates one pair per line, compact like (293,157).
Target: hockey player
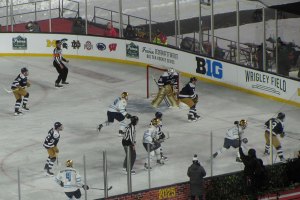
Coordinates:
(70,180)
(117,110)
(129,141)
(150,138)
(50,144)
(277,129)
(59,65)
(167,83)
(188,96)
(160,134)
(233,137)
(19,89)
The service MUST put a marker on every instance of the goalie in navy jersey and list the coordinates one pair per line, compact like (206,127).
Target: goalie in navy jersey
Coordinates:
(19,89)
(277,129)
(167,83)
(234,136)
(188,96)
(117,110)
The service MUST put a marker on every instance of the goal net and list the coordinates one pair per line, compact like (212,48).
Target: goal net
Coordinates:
(153,74)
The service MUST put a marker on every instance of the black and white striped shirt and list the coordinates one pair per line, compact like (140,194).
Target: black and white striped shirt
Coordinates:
(129,136)
(57,56)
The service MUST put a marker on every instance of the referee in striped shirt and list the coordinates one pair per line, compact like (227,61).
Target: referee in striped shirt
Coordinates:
(129,141)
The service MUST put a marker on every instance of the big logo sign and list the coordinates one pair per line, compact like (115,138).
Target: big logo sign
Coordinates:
(208,67)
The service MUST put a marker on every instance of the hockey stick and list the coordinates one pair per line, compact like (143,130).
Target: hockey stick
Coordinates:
(101,188)
(165,100)
(7,91)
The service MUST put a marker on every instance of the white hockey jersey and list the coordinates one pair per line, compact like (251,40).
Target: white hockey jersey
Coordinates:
(149,134)
(70,178)
(234,133)
(119,105)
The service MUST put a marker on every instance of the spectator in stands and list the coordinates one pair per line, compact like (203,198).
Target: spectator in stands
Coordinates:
(0,28)
(110,31)
(160,38)
(33,27)
(196,173)
(78,26)
(283,59)
(130,33)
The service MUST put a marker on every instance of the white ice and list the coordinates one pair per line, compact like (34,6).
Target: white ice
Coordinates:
(82,105)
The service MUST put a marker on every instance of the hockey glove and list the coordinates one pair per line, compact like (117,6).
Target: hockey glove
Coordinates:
(282,134)
(128,116)
(245,140)
(28,84)
(85,187)
(162,136)
(61,184)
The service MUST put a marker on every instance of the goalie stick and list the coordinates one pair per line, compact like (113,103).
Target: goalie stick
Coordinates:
(165,100)
(101,188)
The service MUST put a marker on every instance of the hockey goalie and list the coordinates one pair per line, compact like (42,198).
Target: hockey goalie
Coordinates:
(167,84)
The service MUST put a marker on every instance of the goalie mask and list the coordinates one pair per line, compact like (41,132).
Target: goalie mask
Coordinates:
(243,123)
(124,95)
(155,122)
(171,71)
(69,163)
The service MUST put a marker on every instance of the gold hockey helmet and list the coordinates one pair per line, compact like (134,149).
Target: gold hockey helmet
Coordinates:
(69,163)
(124,95)
(155,122)
(243,123)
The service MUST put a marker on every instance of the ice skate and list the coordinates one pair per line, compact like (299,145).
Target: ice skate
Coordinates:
(191,118)
(99,127)
(57,85)
(24,107)
(282,159)
(132,171)
(266,153)
(65,83)
(160,162)
(121,133)
(18,113)
(146,166)
(163,157)
(196,116)
(49,173)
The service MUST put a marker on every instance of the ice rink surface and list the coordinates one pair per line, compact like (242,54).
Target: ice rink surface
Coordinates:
(82,105)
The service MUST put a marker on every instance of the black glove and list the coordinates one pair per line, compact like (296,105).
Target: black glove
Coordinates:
(128,116)
(162,136)
(245,140)
(61,184)
(85,187)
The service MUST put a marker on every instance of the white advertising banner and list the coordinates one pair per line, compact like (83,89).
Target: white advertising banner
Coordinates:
(120,49)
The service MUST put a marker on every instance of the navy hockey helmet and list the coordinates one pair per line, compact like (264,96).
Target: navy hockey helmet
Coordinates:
(192,79)
(158,115)
(281,116)
(69,163)
(57,125)
(23,70)
(134,120)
